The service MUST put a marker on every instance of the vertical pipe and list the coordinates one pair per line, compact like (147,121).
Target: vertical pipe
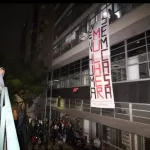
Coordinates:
(50,112)
(69,103)
(46,101)
(130,111)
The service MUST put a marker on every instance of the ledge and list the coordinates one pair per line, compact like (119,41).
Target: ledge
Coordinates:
(131,127)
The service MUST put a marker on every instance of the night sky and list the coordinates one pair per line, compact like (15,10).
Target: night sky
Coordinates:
(12,20)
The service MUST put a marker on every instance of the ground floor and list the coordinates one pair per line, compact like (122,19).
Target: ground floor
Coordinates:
(111,138)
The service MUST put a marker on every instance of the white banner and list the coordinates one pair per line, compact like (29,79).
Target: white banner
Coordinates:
(101,89)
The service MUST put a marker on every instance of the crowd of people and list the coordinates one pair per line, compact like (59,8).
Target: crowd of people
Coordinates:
(62,130)
(59,132)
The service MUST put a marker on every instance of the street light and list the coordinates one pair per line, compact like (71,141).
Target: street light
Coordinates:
(49,86)
(50,104)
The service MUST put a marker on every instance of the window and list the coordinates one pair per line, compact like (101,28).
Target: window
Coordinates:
(118,74)
(143,68)
(135,38)
(56,50)
(136,45)
(65,71)
(66,44)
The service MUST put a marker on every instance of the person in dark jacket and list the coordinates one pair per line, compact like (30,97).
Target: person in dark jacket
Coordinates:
(21,129)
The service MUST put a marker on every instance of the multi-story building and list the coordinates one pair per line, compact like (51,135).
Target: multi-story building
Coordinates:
(36,44)
(127,126)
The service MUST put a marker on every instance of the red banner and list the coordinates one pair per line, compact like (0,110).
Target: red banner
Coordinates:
(100,66)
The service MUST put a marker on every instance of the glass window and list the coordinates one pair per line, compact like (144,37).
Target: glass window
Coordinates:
(66,43)
(135,38)
(117,45)
(118,57)
(143,68)
(65,71)
(77,66)
(117,75)
(117,6)
(84,26)
(148,33)
(136,44)
(118,63)
(109,6)
(85,63)
(148,48)
(117,51)
(85,80)
(75,35)
(57,49)
(56,74)
(58,30)
(143,57)
(148,39)
(104,13)
(137,51)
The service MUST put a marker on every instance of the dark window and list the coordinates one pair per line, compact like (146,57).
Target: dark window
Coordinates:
(77,66)
(137,37)
(136,44)
(56,74)
(118,57)
(137,51)
(143,68)
(148,39)
(65,71)
(71,68)
(149,48)
(118,51)
(117,6)
(117,45)
(148,32)
(85,63)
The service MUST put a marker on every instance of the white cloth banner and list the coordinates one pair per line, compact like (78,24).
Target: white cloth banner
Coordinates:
(101,89)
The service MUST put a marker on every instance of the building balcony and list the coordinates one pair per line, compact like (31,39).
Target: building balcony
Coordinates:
(129,25)
(130,117)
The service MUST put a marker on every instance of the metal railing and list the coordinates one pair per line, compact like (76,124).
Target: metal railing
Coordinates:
(8,135)
(136,112)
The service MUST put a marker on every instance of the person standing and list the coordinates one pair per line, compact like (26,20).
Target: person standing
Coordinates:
(34,140)
(45,141)
(2,73)
(97,143)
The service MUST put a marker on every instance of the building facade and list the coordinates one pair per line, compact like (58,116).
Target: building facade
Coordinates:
(130,61)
